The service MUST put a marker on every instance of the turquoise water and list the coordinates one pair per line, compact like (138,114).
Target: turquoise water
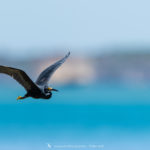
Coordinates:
(114,116)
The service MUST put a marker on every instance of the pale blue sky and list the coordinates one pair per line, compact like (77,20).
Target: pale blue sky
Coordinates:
(28,25)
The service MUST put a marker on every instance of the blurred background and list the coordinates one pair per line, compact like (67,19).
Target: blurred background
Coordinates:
(104,86)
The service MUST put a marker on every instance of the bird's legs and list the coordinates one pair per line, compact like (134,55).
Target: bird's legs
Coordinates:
(20,97)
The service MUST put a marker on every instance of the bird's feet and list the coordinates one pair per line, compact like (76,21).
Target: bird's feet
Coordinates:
(19,98)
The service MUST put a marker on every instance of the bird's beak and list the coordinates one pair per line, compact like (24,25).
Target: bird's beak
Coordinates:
(51,89)
(55,90)
(19,97)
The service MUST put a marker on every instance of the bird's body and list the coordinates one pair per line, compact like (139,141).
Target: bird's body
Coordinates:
(36,94)
(40,88)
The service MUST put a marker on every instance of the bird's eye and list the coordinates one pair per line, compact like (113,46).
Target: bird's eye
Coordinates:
(45,90)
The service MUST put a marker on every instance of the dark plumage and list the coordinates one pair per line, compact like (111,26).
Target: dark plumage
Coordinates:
(40,88)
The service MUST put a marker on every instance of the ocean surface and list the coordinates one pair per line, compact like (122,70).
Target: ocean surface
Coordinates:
(105,117)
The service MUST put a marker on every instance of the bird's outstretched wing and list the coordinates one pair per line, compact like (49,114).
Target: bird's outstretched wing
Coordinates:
(20,76)
(47,73)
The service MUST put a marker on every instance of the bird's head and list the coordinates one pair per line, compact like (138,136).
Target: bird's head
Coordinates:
(50,89)
(48,92)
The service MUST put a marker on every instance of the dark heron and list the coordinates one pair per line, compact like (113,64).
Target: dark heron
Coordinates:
(40,88)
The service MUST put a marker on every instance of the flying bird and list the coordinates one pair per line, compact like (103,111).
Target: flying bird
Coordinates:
(38,89)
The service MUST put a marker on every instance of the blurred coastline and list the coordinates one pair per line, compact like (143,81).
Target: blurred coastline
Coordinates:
(123,67)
